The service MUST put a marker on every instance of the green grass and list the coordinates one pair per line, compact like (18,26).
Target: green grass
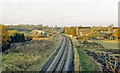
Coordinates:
(107,45)
(16,61)
(86,61)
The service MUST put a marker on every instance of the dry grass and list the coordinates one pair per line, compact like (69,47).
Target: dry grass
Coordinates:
(30,56)
(111,41)
(47,38)
(112,44)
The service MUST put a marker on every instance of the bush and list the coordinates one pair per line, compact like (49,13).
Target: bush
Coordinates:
(14,36)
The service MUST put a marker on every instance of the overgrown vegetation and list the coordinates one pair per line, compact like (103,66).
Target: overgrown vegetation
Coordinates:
(30,55)
(70,31)
(105,58)
(11,36)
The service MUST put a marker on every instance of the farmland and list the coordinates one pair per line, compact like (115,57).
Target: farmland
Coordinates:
(96,56)
(50,49)
(113,44)
(31,55)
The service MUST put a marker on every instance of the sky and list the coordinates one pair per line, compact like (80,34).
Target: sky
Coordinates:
(59,12)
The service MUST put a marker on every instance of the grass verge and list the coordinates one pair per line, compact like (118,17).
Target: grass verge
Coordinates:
(86,62)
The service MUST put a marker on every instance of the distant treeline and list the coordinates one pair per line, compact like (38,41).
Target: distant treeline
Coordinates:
(28,28)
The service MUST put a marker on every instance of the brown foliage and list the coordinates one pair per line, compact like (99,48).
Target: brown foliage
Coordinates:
(109,65)
(116,33)
(70,31)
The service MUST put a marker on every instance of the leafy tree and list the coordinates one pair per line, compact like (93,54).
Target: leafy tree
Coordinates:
(72,31)
(116,33)
(16,36)
(4,34)
(5,39)
(67,31)
(10,36)
(94,34)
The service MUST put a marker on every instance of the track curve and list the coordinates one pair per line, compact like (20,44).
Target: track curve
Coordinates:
(63,58)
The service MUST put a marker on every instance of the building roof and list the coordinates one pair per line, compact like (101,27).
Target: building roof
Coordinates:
(84,27)
(115,27)
(104,30)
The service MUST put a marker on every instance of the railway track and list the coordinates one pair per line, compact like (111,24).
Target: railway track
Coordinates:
(62,60)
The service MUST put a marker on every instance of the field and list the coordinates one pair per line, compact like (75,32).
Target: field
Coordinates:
(31,55)
(94,55)
(86,62)
(111,44)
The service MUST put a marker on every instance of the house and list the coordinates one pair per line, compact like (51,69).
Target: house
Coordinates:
(40,32)
(103,30)
(115,28)
(37,32)
(106,33)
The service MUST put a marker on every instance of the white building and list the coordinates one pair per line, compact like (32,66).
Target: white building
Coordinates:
(38,32)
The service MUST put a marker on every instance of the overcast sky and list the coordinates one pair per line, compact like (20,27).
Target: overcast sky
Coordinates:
(60,12)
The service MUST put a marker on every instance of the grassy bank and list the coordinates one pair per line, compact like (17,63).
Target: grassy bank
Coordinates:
(86,62)
(92,54)
(30,56)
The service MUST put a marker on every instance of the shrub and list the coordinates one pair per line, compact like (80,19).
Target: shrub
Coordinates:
(12,36)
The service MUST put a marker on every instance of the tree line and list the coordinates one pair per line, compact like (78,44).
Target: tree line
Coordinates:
(9,36)
(94,33)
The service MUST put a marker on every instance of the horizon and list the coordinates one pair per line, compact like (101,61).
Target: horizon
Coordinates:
(62,26)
